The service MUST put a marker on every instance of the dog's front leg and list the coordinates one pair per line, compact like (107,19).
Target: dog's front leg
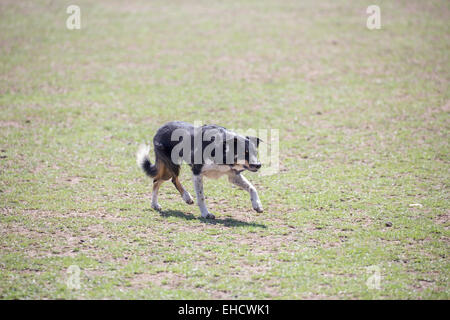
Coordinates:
(198,186)
(240,181)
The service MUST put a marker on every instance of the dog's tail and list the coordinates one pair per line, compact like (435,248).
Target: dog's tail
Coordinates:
(144,162)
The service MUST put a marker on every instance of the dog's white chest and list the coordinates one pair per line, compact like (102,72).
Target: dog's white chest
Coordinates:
(214,170)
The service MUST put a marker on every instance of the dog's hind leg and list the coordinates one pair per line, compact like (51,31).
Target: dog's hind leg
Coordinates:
(198,186)
(156,184)
(184,194)
(162,175)
(240,181)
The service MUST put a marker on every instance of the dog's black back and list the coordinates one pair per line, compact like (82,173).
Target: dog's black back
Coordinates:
(164,143)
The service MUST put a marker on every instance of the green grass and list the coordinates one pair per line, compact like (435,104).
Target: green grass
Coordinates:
(364,133)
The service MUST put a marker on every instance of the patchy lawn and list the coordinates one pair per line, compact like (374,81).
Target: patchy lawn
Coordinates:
(364,149)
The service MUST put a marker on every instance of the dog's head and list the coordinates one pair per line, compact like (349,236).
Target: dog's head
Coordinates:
(245,153)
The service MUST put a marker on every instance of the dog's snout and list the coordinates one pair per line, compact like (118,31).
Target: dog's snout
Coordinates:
(256,166)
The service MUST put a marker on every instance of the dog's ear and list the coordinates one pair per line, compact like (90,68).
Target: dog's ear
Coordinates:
(258,140)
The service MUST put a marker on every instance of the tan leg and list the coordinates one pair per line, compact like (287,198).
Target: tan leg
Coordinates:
(184,194)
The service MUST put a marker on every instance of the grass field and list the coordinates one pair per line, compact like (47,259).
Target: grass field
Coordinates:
(363,117)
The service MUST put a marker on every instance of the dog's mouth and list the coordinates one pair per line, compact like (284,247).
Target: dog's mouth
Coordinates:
(252,169)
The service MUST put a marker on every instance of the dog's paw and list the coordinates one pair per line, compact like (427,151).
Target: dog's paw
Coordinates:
(188,198)
(156,206)
(208,216)
(258,207)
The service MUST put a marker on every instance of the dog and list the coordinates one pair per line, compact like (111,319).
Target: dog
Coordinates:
(210,150)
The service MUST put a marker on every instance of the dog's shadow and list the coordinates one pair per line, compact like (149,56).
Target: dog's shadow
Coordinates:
(228,222)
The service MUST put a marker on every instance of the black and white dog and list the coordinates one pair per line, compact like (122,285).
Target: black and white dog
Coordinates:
(210,151)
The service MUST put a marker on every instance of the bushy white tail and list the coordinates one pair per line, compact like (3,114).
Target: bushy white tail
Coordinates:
(144,162)
(142,155)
